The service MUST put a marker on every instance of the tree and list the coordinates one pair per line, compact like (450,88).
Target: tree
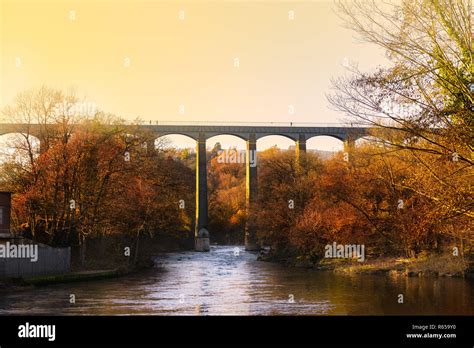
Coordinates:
(422,105)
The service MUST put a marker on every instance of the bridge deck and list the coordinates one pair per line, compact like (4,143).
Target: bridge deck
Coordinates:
(294,131)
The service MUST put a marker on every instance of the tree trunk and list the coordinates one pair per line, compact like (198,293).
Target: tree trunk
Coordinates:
(137,248)
(82,249)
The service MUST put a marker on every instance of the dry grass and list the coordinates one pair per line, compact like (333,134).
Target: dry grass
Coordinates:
(443,265)
(424,265)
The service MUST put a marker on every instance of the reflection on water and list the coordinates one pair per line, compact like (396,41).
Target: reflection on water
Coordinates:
(222,283)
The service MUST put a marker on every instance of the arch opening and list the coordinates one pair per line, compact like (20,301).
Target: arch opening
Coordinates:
(226,156)
(225,142)
(281,142)
(175,143)
(324,146)
(177,147)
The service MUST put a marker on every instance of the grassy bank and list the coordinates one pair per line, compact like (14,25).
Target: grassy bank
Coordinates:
(435,265)
(429,266)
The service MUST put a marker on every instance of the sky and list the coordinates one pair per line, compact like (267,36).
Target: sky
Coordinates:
(215,61)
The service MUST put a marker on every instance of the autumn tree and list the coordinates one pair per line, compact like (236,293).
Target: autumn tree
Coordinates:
(421,105)
(98,177)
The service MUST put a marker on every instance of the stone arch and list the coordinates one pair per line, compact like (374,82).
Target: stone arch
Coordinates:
(230,134)
(277,134)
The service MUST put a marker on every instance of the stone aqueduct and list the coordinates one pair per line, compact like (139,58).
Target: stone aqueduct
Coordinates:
(247,132)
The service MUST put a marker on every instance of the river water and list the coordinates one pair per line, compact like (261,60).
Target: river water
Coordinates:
(226,282)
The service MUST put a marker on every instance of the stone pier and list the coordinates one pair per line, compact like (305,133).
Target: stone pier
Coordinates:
(300,149)
(201,233)
(251,194)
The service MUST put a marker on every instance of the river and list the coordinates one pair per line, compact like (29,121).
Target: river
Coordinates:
(226,282)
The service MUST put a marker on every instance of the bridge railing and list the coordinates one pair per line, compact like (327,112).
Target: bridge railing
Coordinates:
(231,123)
(250,124)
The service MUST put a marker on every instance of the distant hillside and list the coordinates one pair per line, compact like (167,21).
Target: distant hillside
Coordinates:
(323,154)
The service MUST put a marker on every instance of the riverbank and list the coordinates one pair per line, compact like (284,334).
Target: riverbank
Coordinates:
(75,277)
(104,261)
(442,265)
(114,252)
(71,277)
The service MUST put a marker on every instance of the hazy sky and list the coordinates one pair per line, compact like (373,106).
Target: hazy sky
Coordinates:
(265,61)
